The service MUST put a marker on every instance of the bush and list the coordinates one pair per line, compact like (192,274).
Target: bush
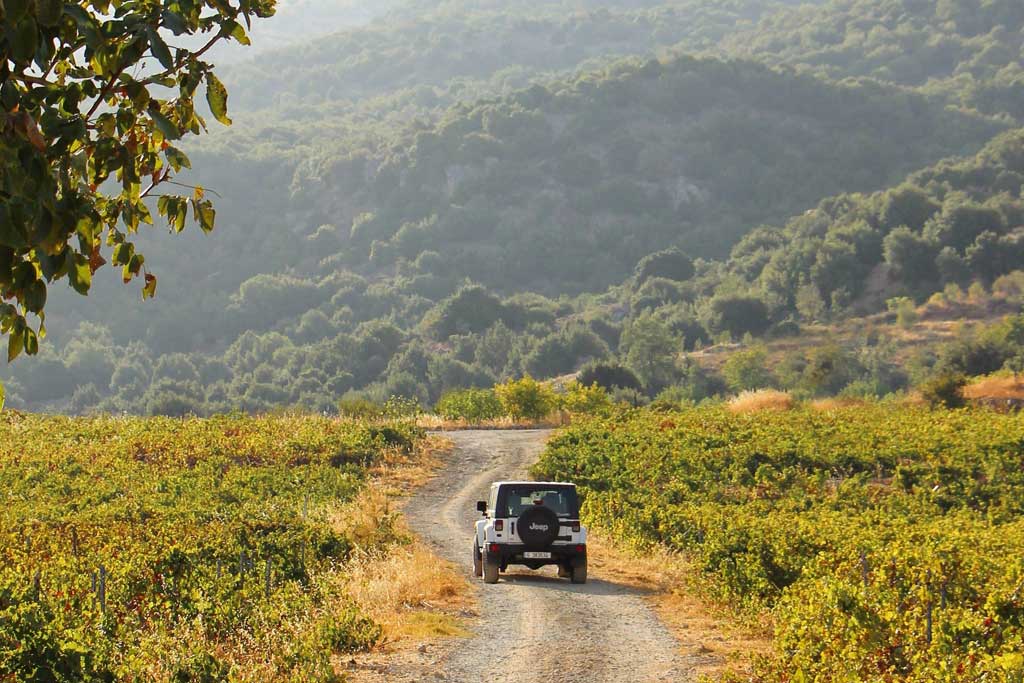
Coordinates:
(945,390)
(472,405)
(747,370)
(582,398)
(358,407)
(671,264)
(526,399)
(609,376)
(905,310)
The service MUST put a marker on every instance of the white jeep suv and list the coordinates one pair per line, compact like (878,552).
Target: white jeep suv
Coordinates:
(530,523)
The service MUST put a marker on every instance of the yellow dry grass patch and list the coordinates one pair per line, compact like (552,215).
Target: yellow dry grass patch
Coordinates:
(836,403)
(761,400)
(996,387)
(713,642)
(411,593)
(397,581)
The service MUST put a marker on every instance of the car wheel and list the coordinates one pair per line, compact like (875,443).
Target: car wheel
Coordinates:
(579,574)
(478,567)
(490,571)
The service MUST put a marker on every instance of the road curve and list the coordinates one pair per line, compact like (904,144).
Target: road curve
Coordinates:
(534,626)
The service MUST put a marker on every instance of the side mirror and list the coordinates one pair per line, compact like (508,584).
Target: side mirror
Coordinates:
(481,506)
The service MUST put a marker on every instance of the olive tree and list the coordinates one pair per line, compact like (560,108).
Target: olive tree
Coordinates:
(94,95)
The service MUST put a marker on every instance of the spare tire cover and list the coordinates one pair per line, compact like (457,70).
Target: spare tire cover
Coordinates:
(538,527)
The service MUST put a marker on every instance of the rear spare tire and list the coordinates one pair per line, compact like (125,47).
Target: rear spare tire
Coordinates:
(538,527)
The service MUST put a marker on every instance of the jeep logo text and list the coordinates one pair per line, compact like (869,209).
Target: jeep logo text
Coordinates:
(539,527)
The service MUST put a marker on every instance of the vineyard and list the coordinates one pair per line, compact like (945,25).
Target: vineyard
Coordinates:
(882,542)
(182,550)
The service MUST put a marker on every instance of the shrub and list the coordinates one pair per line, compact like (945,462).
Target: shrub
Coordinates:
(582,398)
(747,370)
(526,399)
(764,399)
(609,376)
(358,407)
(906,312)
(671,264)
(945,390)
(472,405)
(738,315)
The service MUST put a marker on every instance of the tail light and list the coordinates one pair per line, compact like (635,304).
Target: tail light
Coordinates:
(499,525)
(576,528)
(581,548)
(495,548)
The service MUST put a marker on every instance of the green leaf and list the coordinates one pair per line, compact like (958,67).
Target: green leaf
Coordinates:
(24,39)
(204,214)
(175,22)
(49,12)
(31,342)
(177,159)
(15,343)
(238,33)
(80,274)
(149,290)
(16,9)
(164,124)
(217,98)
(159,49)
(35,296)
(123,253)
(11,234)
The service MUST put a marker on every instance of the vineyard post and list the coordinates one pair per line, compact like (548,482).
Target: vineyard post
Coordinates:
(36,580)
(102,589)
(305,506)
(266,579)
(928,614)
(74,541)
(864,568)
(241,565)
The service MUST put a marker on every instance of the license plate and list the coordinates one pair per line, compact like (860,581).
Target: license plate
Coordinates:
(537,556)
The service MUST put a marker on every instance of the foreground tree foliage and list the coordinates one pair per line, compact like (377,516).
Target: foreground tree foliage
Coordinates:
(93,95)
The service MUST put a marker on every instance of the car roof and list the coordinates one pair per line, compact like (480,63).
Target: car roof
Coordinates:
(533,483)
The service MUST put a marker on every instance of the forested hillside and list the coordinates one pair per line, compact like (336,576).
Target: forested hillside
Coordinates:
(467,191)
(969,51)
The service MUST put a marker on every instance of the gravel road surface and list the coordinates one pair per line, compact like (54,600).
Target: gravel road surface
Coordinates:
(533,626)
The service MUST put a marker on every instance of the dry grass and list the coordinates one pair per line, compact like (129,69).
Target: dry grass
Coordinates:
(761,400)
(438,423)
(836,403)
(710,639)
(995,388)
(411,593)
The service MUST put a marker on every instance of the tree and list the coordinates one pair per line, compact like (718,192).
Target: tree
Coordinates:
(608,376)
(738,315)
(526,399)
(671,264)
(910,255)
(81,108)
(747,370)
(650,349)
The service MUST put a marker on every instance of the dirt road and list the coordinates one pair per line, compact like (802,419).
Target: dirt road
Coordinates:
(533,626)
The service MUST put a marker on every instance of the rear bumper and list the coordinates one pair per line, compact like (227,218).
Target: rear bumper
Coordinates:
(513,553)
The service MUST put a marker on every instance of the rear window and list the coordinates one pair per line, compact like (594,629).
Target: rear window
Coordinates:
(514,500)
